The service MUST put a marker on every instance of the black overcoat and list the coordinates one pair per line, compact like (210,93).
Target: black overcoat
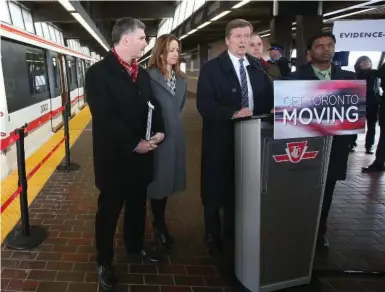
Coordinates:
(218,98)
(341,144)
(119,117)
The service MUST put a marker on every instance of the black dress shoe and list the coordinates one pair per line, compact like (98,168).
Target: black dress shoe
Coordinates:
(146,254)
(369,150)
(322,244)
(164,236)
(373,168)
(150,256)
(106,278)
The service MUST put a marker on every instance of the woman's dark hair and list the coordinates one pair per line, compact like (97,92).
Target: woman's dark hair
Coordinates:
(358,62)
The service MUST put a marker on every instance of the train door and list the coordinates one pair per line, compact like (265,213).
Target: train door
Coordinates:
(54,69)
(73,84)
(80,79)
(63,80)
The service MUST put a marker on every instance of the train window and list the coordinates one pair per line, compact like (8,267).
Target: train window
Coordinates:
(56,73)
(80,74)
(17,17)
(28,21)
(37,72)
(39,30)
(45,30)
(72,73)
(69,72)
(52,33)
(25,75)
(4,11)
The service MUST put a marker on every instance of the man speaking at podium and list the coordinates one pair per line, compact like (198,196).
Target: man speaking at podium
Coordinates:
(320,55)
(230,86)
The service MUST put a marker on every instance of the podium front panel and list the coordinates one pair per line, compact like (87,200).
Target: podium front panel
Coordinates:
(279,192)
(291,196)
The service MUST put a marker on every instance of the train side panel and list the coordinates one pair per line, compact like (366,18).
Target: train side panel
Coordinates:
(34,91)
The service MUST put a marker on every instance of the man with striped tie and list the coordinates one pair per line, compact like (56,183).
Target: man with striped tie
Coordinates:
(231,85)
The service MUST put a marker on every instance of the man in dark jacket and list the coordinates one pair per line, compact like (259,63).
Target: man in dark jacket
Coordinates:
(321,51)
(118,92)
(277,59)
(230,86)
(379,163)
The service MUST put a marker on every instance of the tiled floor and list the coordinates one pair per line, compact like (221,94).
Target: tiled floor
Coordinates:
(67,204)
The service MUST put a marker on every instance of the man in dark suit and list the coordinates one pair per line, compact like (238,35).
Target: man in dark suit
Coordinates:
(379,163)
(118,92)
(321,51)
(230,86)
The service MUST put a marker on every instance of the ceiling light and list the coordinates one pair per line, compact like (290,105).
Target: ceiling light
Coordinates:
(67,5)
(80,19)
(192,31)
(352,7)
(349,14)
(240,4)
(204,24)
(220,15)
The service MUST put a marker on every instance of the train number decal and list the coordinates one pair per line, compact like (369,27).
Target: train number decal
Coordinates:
(44,108)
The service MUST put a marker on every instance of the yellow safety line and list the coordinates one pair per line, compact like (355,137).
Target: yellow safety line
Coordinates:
(35,184)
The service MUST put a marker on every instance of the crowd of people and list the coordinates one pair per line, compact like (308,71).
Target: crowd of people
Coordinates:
(131,168)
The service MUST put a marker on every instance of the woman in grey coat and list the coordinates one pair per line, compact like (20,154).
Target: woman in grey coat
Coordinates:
(169,88)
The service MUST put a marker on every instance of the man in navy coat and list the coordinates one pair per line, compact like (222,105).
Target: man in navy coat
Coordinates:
(232,85)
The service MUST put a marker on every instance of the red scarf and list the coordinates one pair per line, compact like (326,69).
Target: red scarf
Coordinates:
(264,62)
(132,68)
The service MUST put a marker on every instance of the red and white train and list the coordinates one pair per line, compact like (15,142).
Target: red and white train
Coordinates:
(34,78)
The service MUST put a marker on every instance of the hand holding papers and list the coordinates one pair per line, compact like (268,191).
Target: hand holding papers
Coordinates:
(149,120)
(150,142)
(157,138)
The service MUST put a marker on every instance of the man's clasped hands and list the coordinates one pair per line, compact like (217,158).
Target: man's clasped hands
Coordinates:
(145,146)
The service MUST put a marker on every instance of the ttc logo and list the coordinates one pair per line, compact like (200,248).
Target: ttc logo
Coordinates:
(295,152)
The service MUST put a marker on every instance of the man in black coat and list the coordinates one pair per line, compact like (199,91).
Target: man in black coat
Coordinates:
(118,92)
(379,163)
(321,51)
(231,85)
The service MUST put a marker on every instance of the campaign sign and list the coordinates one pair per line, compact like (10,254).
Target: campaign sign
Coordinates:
(310,108)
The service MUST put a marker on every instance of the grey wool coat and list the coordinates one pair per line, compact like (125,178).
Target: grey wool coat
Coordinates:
(170,156)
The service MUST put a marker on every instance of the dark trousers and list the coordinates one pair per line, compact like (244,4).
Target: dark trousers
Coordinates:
(158,208)
(109,207)
(327,202)
(380,152)
(371,120)
(213,222)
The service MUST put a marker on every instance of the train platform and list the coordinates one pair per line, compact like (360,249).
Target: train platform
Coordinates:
(65,204)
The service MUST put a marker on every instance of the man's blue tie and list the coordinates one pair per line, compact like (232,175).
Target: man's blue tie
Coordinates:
(244,90)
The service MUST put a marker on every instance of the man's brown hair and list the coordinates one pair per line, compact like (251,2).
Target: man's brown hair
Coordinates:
(160,51)
(237,23)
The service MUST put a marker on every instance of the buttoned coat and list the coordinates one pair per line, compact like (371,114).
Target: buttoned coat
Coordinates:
(119,119)
(170,157)
(218,98)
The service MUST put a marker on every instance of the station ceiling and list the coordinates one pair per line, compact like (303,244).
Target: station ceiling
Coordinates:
(102,15)
(260,13)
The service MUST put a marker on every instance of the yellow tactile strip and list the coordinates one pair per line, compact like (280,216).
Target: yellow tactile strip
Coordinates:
(11,215)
